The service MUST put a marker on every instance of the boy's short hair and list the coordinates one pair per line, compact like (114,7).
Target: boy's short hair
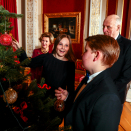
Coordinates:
(107,45)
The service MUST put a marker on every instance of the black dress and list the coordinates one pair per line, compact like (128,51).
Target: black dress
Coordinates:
(57,73)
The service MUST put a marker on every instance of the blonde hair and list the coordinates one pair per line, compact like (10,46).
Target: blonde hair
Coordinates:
(47,34)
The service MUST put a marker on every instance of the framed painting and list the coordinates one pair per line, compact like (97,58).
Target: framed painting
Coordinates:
(63,23)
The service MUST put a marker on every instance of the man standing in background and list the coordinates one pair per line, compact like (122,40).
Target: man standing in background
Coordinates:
(121,70)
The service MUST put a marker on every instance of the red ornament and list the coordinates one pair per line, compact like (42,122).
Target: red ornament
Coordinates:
(5,40)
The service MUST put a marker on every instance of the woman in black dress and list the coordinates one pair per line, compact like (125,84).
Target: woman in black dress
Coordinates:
(58,67)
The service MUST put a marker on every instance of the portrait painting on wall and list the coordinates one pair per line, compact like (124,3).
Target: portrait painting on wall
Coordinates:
(63,23)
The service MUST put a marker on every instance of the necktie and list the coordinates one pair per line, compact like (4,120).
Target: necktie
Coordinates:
(83,86)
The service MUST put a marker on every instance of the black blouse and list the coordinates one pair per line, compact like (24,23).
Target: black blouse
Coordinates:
(57,73)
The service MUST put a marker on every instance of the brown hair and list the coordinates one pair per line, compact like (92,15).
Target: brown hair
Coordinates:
(107,45)
(70,54)
(47,34)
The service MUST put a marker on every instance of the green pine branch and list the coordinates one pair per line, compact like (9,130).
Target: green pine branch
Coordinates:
(5,15)
(39,109)
(10,69)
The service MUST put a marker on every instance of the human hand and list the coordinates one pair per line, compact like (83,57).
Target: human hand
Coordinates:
(61,94)
(16,45)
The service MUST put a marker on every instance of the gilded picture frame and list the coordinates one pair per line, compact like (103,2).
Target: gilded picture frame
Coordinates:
(66,23)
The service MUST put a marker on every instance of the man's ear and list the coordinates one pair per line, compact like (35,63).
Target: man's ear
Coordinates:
(118,27)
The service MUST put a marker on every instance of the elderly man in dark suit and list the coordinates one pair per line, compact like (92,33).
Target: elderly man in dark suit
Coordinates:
(95,105)
(121,70)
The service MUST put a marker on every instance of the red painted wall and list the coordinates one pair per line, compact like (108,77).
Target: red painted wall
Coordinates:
(56,6)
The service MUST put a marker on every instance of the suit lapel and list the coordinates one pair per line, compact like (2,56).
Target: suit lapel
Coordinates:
(91,85)
(82,82)
(120,42)
(86,90)
(119,38)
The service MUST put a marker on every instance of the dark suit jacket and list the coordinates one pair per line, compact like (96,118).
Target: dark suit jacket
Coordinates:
(121,70)
(97,108)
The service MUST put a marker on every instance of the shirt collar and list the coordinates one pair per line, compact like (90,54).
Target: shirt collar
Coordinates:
(92,76)
(116,36)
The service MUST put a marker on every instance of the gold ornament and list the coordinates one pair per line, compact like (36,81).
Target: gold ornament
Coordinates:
(11,96)
(59,105)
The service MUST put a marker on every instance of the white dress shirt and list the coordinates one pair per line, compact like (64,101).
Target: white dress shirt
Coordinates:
(92,76)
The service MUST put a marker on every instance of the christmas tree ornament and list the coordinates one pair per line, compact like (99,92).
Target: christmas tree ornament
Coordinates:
(59,105)
(31,93)
(5,39)
(10,96)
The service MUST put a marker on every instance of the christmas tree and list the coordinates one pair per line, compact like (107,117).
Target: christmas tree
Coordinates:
(23,106)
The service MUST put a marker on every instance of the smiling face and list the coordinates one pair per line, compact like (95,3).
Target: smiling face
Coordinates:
(62,49)
(45,42)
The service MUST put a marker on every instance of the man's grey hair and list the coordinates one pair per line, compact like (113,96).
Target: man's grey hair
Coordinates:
(118,20)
